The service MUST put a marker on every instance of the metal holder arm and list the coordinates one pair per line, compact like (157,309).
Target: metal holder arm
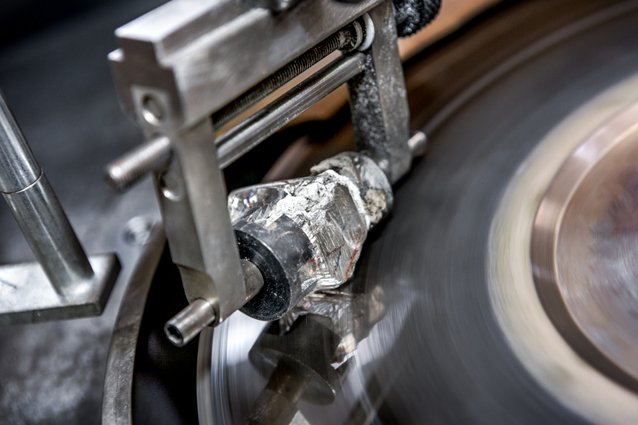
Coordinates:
(179,66)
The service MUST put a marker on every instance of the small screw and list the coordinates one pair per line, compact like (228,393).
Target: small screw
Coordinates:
(138,231)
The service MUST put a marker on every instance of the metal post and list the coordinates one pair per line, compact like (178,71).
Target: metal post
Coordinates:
(38,211)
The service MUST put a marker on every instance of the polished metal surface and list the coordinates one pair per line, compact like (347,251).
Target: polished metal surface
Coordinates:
(39,213)
(188,323)
(69,286)
(51,237)
(18,167)
(451,346)
(26,295)
(584,248)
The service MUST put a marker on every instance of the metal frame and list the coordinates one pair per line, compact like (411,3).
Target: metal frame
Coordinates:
(183,62)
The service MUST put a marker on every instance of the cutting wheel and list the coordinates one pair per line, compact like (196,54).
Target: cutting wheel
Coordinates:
(494,311)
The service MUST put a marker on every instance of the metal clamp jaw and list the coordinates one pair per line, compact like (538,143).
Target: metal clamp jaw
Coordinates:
(189,65)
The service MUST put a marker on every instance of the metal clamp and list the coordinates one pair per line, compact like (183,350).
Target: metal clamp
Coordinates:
(178,74)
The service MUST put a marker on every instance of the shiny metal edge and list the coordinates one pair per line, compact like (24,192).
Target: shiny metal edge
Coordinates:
(117,398)
(26,294)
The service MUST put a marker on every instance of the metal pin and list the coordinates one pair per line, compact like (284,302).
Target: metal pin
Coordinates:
(418,143)
(129,168)
(189,322)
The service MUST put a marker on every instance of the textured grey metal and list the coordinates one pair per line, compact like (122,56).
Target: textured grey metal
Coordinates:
(128,169)
(378,99)
(189,322)
(154,154)
(192,197)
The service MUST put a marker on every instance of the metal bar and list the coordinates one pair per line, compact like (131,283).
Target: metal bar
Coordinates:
(147,157)
(264,123)
(167,50)
(152,155)
(39,213)
(380,113)
(18,167)
(194,205)
(347,38)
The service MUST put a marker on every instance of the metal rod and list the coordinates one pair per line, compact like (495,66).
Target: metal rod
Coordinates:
(18,167)
(418,143)
(347,38)
(127,169)
(153,154)
(189,322)
(264,123)
(38,211)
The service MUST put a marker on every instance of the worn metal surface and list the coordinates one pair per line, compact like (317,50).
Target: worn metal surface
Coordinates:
(192,196)
(153,154)
(164,73)
(137,163)
(378,101)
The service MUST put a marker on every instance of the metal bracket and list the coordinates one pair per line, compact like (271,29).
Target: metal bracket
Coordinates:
(26,294)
